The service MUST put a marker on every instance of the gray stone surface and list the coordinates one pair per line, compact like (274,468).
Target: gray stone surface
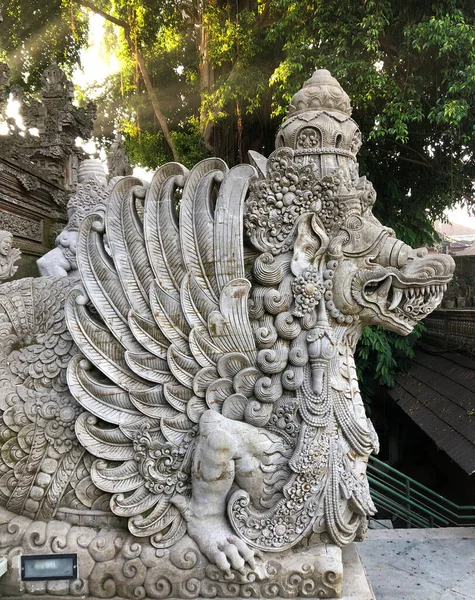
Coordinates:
(421,564)
(356,585)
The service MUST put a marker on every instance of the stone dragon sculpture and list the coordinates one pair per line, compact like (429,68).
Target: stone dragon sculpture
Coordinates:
(216,383)
(226,373)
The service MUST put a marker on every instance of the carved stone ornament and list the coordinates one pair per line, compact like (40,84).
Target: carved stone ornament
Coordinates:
(118,163)
(8,255)
(52,152)
(216,385)
(91,194)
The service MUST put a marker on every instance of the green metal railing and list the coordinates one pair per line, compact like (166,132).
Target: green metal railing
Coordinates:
(413,502)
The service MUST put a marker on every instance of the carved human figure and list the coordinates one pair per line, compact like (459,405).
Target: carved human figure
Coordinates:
(220,345)
(118,163)
(8,256)
(92,190)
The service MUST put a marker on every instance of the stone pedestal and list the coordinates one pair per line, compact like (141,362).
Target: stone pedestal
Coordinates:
(113,564)
(356,585)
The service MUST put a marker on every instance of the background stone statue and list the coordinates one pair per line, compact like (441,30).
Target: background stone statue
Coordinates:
(92,190)
(118,163)
(8,256)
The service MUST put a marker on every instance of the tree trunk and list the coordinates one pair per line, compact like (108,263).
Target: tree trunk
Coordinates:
(143,71)
(206,72)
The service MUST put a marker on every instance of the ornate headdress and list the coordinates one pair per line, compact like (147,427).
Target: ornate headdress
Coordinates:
(92,187)
(314,169)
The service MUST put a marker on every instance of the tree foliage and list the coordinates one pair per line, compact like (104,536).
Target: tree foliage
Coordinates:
(222,74)
(381,354)
(33,33)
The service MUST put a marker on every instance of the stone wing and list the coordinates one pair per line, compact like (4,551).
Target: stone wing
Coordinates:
(161,320)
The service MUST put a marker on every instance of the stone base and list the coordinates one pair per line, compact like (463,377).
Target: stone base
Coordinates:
(356,585)
(114,564)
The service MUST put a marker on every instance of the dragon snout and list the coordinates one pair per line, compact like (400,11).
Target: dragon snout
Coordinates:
(429,266)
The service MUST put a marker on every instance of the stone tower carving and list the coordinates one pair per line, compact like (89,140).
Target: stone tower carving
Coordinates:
(53,151)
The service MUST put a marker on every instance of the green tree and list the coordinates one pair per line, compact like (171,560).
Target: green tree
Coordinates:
(223,73)
(33,33)
(215,77)
(380,355)
(409,69)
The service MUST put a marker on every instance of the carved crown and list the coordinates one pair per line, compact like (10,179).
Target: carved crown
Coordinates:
(55,83)
(92,188)
(319,126)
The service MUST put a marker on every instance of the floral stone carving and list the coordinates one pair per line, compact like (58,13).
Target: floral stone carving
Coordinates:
(216,385)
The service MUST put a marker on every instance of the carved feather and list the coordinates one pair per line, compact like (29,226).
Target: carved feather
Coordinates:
(137,502)
(123,478)
(149,367)
(126,241)
(176,429)
(175,297)
(205,353)
(148,335)
(197,222)
(154,403)
(228,235)
(183,367)
(162,238)
(163,515)
(104,289)
(99,346)
(169,316)
(110,444)
(104,400)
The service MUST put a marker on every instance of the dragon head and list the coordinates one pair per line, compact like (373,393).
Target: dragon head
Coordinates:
(383,280)
(310,200)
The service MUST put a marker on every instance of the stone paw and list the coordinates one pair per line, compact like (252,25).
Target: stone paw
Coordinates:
(216,540)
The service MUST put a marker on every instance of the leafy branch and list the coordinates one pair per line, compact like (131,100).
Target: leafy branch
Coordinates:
(381,354)
(142,66)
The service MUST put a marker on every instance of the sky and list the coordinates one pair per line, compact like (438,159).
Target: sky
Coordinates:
(96,65)
(460,216)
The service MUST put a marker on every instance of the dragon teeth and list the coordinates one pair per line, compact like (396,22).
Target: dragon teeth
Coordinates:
(397,295)
(422,299)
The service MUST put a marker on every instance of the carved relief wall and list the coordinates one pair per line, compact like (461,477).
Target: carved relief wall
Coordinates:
(38,171)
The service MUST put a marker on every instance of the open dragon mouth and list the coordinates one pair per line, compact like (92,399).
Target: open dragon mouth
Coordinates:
(406,301)
(399,298)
